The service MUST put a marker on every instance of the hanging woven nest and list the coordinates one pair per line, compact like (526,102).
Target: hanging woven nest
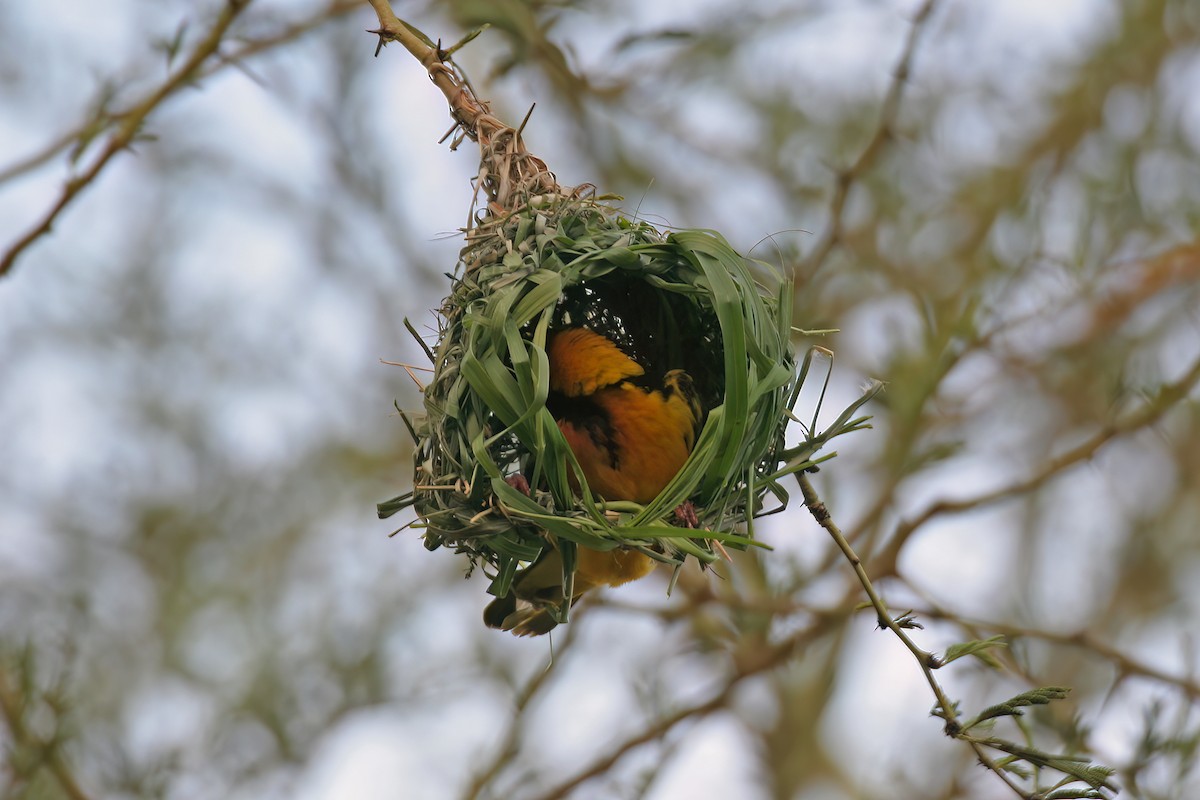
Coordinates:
(496,477)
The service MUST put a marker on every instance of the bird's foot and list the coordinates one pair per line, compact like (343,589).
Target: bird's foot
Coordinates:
(685,515)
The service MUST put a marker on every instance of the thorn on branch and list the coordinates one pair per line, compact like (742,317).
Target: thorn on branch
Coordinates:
(948,710)
(384,38)
(450,132)
(524,122)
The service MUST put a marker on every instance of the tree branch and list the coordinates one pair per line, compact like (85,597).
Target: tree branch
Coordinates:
(11,707)
(762,658)
(1125,664)
(1167,397)
(467,110)
(511,737)
(103,119)
(508,172)
(127,130)
(944,707)
(888,113)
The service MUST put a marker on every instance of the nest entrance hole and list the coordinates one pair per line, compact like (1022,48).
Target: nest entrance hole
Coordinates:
(659,328)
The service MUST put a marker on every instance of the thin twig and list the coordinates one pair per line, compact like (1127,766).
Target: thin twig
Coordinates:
(1125,664)
(48,151)
(509,174)
(469,112)
(765,657)
(888,113)
(128,129)
(927,660)
(1167,397)
(514,733)
(944,707)
(11,704)
(252,47)
(103,119)
(656,731)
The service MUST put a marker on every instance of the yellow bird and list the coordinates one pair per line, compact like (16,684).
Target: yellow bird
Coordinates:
(630,441)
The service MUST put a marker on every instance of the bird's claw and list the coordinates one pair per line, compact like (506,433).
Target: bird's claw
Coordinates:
(685,515)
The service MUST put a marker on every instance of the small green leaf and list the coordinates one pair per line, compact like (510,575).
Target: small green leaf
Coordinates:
(1013,764)
(389,507)
(1072,794)
(957,651)
(1012,706)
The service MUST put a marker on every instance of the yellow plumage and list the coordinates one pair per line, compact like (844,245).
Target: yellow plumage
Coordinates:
(630,441)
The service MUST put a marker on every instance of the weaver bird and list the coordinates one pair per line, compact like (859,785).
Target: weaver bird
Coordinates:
(629,440)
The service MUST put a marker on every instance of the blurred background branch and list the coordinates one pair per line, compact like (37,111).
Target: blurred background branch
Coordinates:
(889,113)
(122,127)
(29,753)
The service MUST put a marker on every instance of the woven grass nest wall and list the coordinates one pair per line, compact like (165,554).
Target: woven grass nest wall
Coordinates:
(682,300)
(705,368)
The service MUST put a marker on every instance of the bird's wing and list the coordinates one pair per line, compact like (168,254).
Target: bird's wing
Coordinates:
(582,361)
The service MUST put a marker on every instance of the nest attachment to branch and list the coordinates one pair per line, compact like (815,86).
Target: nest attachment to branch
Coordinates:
(539,258)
